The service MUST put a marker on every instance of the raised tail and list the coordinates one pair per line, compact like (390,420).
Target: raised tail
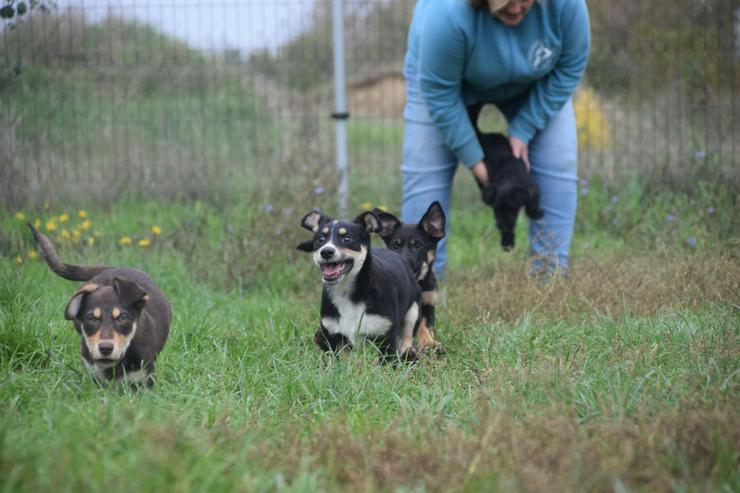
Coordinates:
(56,264)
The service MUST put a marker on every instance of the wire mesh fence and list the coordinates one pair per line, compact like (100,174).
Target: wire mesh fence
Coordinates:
(171,98)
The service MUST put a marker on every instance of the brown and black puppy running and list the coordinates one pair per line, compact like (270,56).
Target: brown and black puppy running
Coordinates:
(417,243)
(121,315)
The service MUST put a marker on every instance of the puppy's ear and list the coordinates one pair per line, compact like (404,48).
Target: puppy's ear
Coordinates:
(75,303)
(313,220)
(488,193)
(433,221)
(369,221)
(305,246)
(130,293)
(388,222)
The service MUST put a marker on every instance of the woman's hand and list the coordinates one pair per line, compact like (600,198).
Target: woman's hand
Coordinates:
(520,150)
(481,173)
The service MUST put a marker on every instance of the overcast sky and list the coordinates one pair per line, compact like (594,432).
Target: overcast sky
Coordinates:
(245,25)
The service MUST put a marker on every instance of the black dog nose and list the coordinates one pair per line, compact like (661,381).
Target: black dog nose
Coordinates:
(327,253)
(105,348)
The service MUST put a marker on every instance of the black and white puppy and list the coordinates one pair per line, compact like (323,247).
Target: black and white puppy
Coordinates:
(417,243)
(368,293)
(510,186)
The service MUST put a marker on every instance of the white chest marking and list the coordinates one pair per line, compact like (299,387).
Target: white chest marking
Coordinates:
(353,321)
(98,373)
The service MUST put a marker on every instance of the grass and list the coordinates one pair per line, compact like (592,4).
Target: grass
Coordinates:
(623,377)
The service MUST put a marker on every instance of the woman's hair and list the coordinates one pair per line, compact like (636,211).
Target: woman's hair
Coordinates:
(492,5)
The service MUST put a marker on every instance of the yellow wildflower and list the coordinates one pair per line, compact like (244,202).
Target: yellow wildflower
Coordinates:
(97,233)
(32,254)
(125,241)
(82,214)
(383,208)
(51,225)
(64,218)
(90,241)
(594,129)
(18,259)
(143,243)
(46,205)
(65,234)
(37,223)
(20,216)
(76,233)
(366,205)
(156,230)
(86,224)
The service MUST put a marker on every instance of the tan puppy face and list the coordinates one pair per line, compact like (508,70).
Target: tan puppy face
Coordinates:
(106,319)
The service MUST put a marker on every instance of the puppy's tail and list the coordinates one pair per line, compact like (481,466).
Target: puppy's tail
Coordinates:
(56,264)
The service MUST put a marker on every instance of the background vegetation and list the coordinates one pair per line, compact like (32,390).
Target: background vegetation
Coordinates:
(131,148)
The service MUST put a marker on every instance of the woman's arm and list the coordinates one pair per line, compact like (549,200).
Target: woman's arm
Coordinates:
(549,94)
(442,56)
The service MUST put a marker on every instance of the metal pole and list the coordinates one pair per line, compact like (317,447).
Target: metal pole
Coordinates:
(340,114)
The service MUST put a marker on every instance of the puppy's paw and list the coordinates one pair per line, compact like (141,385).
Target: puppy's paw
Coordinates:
(409,356)
(426,342)
(507,241)
(535,213)
(433,347)
(319,338)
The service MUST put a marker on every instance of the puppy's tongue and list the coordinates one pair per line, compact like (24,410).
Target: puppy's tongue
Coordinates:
(332,270)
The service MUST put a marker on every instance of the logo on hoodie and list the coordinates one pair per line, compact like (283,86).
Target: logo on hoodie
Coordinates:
(541,55)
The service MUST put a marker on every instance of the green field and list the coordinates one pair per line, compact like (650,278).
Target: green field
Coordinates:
(623,377)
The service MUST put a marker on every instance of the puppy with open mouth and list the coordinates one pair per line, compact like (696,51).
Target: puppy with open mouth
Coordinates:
(368,293)
(121,315)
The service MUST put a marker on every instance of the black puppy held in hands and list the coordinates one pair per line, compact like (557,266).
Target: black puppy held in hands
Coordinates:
(417,243)
(368,293)
(510,186)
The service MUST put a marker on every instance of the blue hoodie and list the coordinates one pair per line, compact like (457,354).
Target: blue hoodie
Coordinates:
(465,56)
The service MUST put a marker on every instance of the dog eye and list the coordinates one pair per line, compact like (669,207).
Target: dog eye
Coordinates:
(320,238)
(122,317)
(396,245)
(90,318)
(347,239)
(416,244)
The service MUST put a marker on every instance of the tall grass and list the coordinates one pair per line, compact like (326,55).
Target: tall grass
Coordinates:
(622,377)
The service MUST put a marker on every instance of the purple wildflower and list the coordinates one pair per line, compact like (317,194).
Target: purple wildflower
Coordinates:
(615,199)
(267,207)
(319,190)
(710,210)
(584,191)
(692,242)
(701,154)
(670,218)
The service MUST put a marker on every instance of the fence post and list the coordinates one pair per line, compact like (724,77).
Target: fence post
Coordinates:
(340,114)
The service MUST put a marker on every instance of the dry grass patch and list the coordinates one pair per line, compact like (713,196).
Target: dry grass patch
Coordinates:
(553,450)
(636,284)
